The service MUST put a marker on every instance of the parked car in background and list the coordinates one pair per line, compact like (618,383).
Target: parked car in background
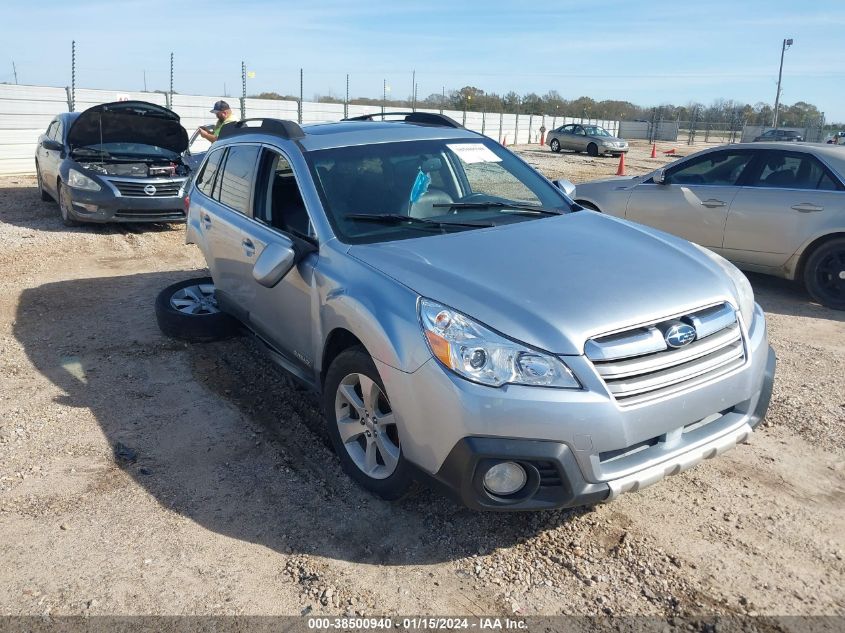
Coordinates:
(466,322)
(779,135)
(774,208)
(837,138)
(592,139)
(116,162)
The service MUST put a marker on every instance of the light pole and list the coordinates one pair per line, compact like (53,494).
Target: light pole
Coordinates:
(786,44)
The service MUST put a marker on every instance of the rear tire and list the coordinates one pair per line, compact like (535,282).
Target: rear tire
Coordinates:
(188,311)
(46,197)
(362,426)
(593,149)
(555,145)
(824,274)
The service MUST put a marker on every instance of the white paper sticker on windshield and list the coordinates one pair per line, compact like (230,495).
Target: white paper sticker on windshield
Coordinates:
(474,153)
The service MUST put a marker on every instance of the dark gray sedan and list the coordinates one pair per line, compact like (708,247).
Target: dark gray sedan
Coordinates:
(592,139)
(116,162)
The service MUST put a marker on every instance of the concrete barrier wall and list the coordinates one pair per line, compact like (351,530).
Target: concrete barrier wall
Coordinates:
(26,111)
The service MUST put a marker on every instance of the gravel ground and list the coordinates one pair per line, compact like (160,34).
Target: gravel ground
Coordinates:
(225,498)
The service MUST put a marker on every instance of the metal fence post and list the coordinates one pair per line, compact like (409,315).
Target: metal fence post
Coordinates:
(530,123)
(69,99)
(72,95)
(483,119)
(243,90)
(501,123)
(346,103)
(299,108)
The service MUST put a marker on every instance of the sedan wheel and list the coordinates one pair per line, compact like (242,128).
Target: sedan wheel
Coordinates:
(824,274)
(363,426)
(555,145)
(65,205)
(593,149)
(188,311)
(43,194)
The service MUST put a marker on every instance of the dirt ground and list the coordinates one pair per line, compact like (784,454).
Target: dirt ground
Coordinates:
(224,497)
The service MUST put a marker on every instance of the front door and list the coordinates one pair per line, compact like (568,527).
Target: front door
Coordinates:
(694,200)
(283,314)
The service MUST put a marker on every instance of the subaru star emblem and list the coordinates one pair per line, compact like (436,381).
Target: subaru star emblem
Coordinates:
(679,335)
(150,190)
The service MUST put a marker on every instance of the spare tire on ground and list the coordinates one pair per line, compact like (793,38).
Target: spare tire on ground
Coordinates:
(188,311)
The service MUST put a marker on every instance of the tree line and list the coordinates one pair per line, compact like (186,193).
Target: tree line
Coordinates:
(720,111)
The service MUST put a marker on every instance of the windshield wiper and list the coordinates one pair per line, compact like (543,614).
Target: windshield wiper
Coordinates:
(91,151)
(514,206)
(395,218)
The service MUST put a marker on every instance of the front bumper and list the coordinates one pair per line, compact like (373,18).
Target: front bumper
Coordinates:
(107,205)
(613,150)
(452,427)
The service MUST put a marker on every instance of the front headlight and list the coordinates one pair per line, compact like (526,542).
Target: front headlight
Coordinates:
(744,292)
(476,353)
(78,180)
(607,143)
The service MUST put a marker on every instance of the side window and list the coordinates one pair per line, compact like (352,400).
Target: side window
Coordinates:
(278,201)
(205,180)
(788,170)
(236,178)
(51,130)
(567,129)
(716,168)
(578,130)
(58,133)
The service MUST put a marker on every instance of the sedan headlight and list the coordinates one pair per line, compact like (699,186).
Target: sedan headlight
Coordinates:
(744,292)
(476,353)
(607,143)
(78,180)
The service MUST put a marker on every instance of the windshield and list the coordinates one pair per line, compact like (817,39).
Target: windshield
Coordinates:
(452,184)
(595,130)
(126,150)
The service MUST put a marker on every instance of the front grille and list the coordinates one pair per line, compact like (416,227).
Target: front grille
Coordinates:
(152,214)
(135,189)
(637,365)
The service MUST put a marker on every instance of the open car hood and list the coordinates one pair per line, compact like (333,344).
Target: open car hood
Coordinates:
(129,122)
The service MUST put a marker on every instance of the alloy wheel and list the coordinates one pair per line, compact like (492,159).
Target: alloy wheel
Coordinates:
(367,426)
(195,300)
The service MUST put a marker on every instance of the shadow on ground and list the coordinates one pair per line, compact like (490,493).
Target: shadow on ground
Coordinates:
(789,298)
(22,206)
(218,433)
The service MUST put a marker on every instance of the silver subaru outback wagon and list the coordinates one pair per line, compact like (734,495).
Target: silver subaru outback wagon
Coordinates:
(463,320)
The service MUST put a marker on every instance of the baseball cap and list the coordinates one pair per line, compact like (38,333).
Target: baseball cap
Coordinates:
(220,106)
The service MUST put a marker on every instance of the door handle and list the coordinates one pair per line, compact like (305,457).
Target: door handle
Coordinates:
(206,220)
(712,203)
(249,247)
(807,207)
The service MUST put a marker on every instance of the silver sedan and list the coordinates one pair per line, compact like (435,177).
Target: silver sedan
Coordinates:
(592,139)
(774,208)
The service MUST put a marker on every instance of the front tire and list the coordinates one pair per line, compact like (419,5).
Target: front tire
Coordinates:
(65,205)
(555,145)
(593,149)
(824,274)
(188,311)
(363,427)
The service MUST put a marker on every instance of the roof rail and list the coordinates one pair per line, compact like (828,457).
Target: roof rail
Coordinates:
(426,118)
(289,130)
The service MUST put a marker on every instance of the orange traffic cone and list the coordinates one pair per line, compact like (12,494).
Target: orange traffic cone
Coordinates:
(620,171)
(670,152)
(505,141)
(654,150)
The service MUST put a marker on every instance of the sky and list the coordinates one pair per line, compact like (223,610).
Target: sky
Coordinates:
(646,52)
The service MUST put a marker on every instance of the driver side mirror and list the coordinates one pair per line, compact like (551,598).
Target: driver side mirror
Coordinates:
(565,186)
(659,177)
(52,145)
(275,261)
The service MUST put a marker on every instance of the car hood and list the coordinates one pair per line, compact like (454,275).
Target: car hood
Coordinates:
(553,283)
(129,122)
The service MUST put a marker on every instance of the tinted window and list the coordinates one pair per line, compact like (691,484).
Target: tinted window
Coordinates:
(717,168)
(51,130)
(793,171)
(279,202)
(205,180)
(236,179)
(58,133)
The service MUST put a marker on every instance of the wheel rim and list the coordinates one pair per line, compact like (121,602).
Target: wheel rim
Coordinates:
(367,426)
(64,202)
(195,300)
(555,145)
(830,275)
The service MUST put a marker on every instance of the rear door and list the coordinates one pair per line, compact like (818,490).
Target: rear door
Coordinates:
(694,200)
(48,160)
(566,138)
(787,198)
(224,211)
(283,314)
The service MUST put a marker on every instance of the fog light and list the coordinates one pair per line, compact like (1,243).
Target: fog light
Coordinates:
(505,478)
(90,208)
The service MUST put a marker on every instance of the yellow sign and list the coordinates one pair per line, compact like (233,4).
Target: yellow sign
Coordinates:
(251,74)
